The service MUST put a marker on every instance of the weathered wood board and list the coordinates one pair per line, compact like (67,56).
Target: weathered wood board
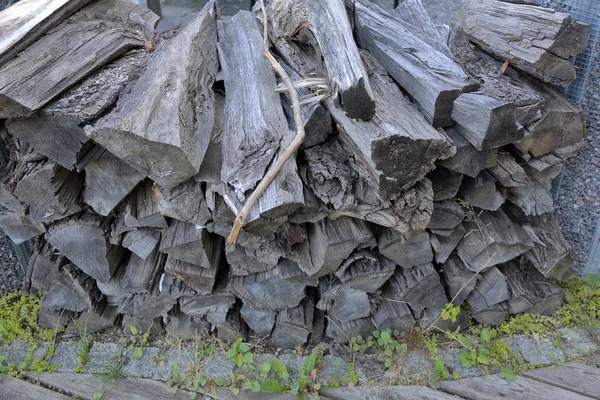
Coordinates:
(574,377)
(16,389)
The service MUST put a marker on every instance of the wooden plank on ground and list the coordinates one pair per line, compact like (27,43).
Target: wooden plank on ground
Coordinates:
(577,378)
(397,392)
(15,389)
(493,387)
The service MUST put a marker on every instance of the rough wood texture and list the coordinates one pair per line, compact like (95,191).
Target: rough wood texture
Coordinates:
(43,268)
(141,241)
(83,240)
(161,300)
(508,172)
(142,209)
(486,122)
(443,246)
(71,290)
(57,132)
(391,392)
(295,20)
(467,160)
(108,181)
(15,389)
(429,76)
(20,228)
(459,279)
(195,276)
(90,38)
(168,145)
(419,286)
(491,289)
(481,192)
(261,322)
(397,130)
(294,325)
(447,214)
(491,316)
(537,40)
(562,124)
(214,306)
(576,378)
(141,274)
(445,183)
(185,202)
(405,252)
(343,302)
(533,199)
(342,333)
(393,314)
(492,238)
(189,243)
(365,270)
(530,292)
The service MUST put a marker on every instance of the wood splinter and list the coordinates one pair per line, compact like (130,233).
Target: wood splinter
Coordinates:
(240,220)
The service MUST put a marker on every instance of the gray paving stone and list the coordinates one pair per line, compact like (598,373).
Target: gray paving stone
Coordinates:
(65,355)
(418,365)
(452,361)
(17,351)
(141,367)
(536,351)
(103,358)
(577,342)
(185,358)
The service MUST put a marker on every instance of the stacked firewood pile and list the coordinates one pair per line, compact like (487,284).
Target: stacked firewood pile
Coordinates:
(425,177)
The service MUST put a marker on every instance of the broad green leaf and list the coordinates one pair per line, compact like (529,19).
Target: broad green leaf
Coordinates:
(508,374)
(138,352)
(133,330)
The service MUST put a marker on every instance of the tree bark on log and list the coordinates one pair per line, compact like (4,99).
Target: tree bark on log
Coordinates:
(467,160)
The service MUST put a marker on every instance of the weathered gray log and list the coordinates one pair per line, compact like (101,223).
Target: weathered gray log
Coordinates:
(44,267)
(151,325)
(486,122)
(261,322)
(71,290)
(445,183)
(562,124)
(141,242)
(490,290)
(103,318)
(290,271)
(332,241)
(20,228)
(84,241)
(343,302)
(467,160)
(534,199)
(365,270)
(492,238)
(530,292)
(214,306)
(537,40)
(491,316)
(508,172)
(419,286)
(393,314)
(481,192)
(447,214)
(108,181)
(267,290)
(460,280)
(186,242)
(507,86)
(56,131)
(113,289)
(544,169)
(168,145)
(210,170)
(233,328)
(443,246)
(294,325)
(296,22)
(429,76)
(198,277)
(430,317)
(565,153)
(141,274)
(397,130)
(342,332)
(406,252)
(51,191)
(187,327)
(90,38)
(185,202)
(24,23)
(142,209)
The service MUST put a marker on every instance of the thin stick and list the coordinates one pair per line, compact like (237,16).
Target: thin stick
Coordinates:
(240,220)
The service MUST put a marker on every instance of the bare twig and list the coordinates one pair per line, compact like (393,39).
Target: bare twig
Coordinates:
(284,156)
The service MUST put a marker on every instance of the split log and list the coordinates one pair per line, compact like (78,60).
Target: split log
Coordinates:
(467,160)
(84,241)
(506,87)
(397,130)
(533,199)
(406,252)
(393,314)
(20,228)
(491,316)
(198,277)
(298,23)
(332,241)
(445,183)
(447,214)
(90,38)
(544,169)
(290,272)
(141,242)
(187,327)
(508,172)
(342,332)
(57,132)
(108,181)
(486,122)
(25,22)
(261,322)
(565,153)
(537,40)
(185,68)
(343,302)
(459,279)
(153,326)
(294,325)
(365,270)
(443,246)
(214,306)
(101,319)
(562,124)
(44,267)
(233,328)
(51,191)
(481,192)
(267,290)
(429,76)
(490,290)
(491,239)
(419,286)
(210,170)
(71,290)
(185,202)
(141,274)
(530,292)
(142,210)
(113,289)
